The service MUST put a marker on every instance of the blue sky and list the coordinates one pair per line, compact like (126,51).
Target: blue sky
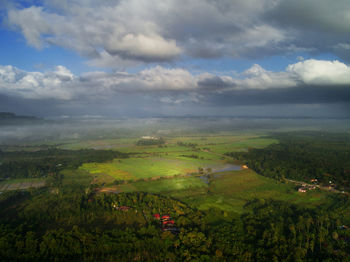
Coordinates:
(203,57)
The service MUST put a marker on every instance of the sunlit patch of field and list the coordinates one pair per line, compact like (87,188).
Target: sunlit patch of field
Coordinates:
(245,185)
(148,167)
(166,185)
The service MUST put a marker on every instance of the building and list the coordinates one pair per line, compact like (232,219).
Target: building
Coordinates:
(302,190)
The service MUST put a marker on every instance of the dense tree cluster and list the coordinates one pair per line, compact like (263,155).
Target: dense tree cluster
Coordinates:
(189,144)
(150,142)
(303,156)
(87,227)
(277,231)
(24,164)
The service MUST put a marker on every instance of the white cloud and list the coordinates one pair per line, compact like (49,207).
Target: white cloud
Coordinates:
(147,48)
(169,85)
(167,79)
(32,23)
(257,77)
(321,72)
(37,85)
(123,29)
(148,30)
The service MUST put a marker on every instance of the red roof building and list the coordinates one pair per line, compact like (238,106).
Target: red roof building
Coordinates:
(156,216)
(168,222)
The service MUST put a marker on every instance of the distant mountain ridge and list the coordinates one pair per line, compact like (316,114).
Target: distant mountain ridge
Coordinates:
(8,118)
(9,115)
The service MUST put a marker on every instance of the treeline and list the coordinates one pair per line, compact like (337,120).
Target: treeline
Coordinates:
(85,227)
(151,142)
(24,164)
(192,145)
(303,156)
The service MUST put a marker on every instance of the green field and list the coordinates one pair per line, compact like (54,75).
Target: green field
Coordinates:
(229,191)
(241,145)
(167,170)
(170,159)
(167,185)
(150,166)
(21,183)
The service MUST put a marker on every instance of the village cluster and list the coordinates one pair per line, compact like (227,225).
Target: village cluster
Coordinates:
(167,223)
(314,184)
(305,187)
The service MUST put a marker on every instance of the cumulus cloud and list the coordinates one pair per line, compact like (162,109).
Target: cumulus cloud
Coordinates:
(123,29)
(53,84)
(318,72)
(146,48)
(319,79)
(149,30)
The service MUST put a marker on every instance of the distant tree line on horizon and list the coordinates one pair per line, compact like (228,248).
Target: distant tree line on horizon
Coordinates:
(151,142)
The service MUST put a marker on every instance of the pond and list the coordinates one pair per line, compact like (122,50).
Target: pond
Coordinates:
(227,167)
(224,168)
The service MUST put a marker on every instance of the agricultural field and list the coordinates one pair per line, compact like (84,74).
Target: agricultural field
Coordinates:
(151,166)
(218,143)
(21,184)
(240,145)
(170,169)
(166,185)
(228,191)
(179,155)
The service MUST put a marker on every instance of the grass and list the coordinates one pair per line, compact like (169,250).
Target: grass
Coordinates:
(21,183)
(241,145)
(164,185)
(229,192)
(150,167)
(246,185)
(76,177)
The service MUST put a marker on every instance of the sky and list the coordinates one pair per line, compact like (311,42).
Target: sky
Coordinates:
(175,57)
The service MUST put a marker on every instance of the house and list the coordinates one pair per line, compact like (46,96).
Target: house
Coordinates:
(302,190)
(149,138)
(165,217)
(168,222)
(121,208)
(156,216)
(174,230)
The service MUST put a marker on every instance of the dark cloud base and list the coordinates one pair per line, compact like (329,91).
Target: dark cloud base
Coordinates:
(297,95)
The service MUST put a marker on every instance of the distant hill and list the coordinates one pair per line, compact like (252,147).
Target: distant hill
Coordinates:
(7,118)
